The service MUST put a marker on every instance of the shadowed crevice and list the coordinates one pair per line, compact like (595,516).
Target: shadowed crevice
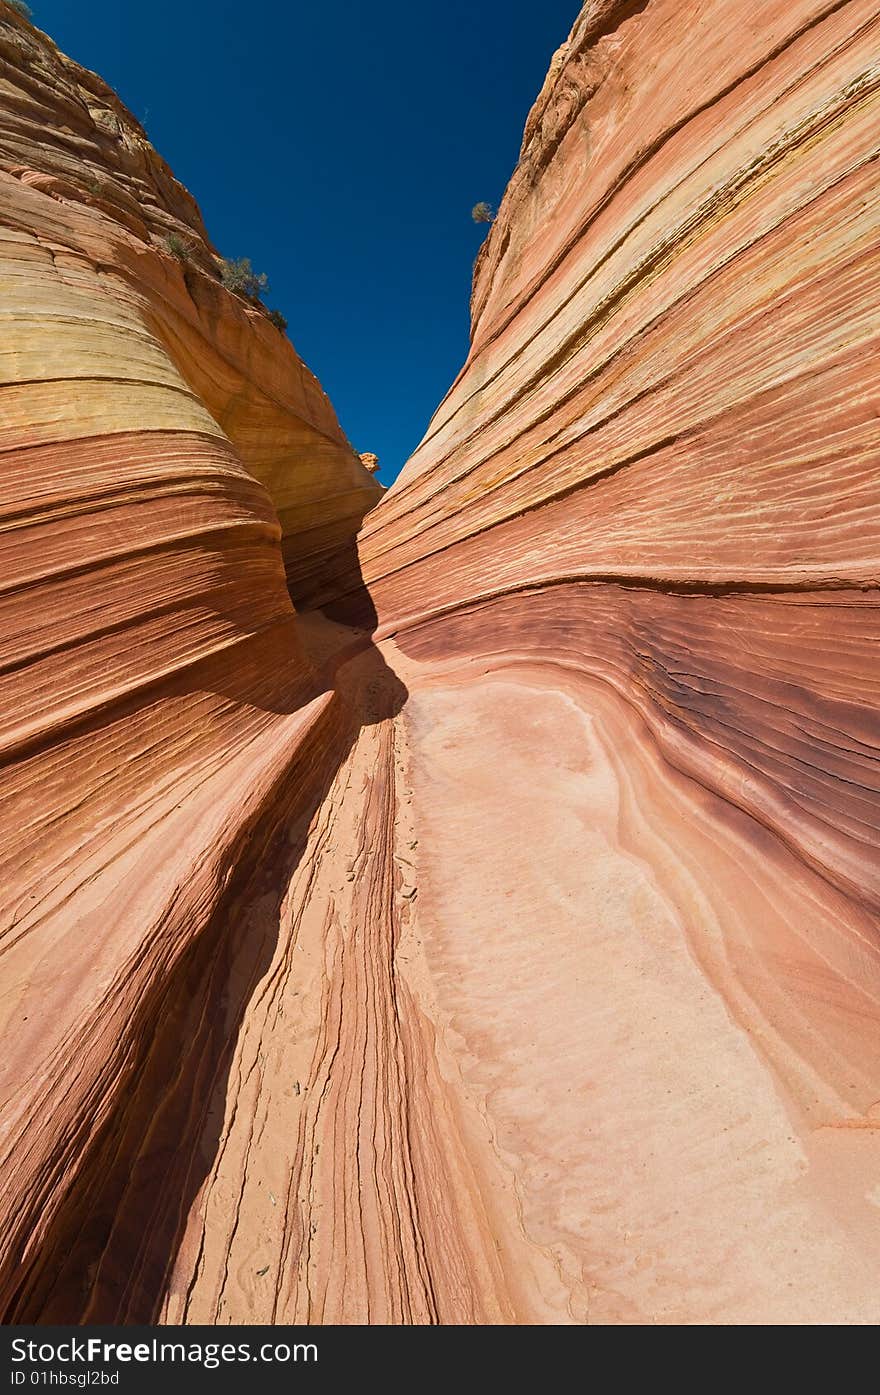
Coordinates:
(108,1253)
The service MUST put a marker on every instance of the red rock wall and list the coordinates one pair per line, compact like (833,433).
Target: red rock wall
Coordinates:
(546,987)
(158,712)
(651,494)
(667,422)
(102,315)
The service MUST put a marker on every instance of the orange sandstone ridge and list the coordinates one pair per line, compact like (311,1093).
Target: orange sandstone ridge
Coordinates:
(518,963)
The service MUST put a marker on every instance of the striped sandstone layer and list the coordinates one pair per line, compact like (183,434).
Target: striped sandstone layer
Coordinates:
(522,964)
(163,451)
(107,334)
(634,566)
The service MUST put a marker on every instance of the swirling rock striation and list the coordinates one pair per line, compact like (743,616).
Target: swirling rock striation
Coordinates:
(164,452)
(115,300)
(650,497)
(523,963)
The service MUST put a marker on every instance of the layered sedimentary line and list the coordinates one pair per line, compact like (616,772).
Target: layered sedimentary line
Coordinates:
(130,1068)
(736,265)
(669,394)
(163,447)
(341,1190)
(544,987)
(299,1117)
(151,348)
(112,292)
(667,1018)
(650,495)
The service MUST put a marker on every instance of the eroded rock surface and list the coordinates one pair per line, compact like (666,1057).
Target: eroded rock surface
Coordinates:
(519,963)
(159,716)
(640,537)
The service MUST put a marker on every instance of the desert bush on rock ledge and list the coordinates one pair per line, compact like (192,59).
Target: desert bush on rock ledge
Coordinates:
(178,247)
(238,276)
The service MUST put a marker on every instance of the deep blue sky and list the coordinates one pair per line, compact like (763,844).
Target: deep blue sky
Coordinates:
(341,147)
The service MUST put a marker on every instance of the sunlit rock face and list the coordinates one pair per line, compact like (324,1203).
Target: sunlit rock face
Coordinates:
(637,552)
(522,963)
(117,322)
(164,451)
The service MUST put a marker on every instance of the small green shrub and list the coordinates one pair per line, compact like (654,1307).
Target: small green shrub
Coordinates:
(178,247)
(21,7)
(482,213)
(278,320)
(238,276)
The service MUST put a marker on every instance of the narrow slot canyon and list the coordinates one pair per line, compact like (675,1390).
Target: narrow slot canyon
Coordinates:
(455,904)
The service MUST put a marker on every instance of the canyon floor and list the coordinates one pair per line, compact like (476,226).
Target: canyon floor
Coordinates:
(439,1106)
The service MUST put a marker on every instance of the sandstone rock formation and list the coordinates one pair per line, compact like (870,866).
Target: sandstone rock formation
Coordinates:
(641,537)
(521,965)
(159,712)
